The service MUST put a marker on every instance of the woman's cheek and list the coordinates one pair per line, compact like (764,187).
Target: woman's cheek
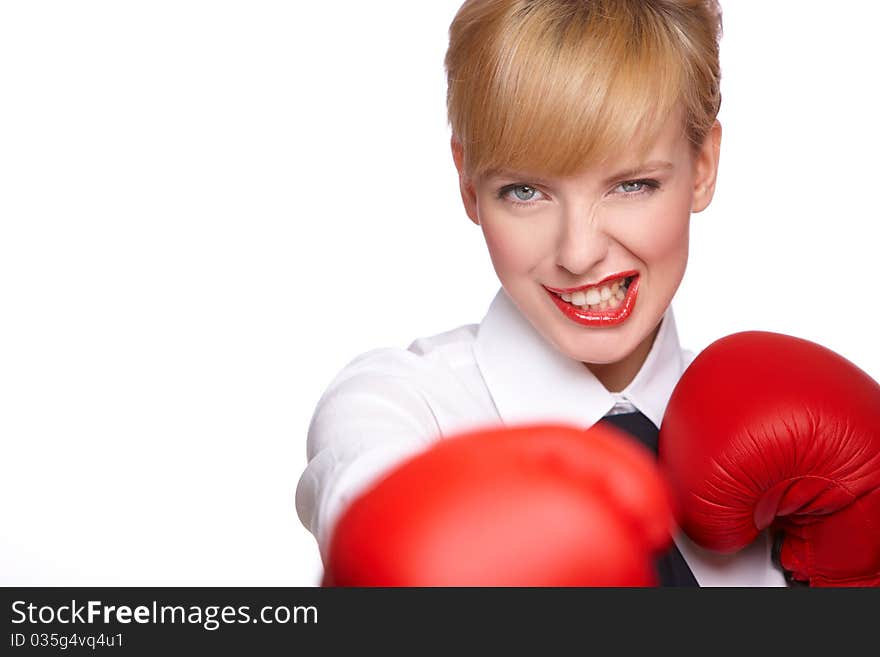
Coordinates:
(512,248)
(668,231)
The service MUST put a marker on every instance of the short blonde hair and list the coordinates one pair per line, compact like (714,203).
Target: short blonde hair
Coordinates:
(553,86)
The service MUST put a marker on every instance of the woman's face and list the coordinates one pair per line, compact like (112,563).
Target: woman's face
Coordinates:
(548,234)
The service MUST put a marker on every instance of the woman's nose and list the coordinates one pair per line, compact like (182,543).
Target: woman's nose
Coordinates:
(582,243)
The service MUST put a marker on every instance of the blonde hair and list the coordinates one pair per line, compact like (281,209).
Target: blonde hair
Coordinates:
(552,86)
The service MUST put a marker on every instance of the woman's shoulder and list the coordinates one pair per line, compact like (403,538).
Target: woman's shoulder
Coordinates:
(423,353)
(421,360)
(406,385)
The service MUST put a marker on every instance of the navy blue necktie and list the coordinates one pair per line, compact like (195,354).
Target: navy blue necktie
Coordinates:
(672,569)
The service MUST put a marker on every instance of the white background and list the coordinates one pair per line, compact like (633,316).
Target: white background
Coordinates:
(208,208)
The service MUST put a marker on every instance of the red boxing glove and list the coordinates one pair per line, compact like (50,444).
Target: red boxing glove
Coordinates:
(767,430)
(531,505)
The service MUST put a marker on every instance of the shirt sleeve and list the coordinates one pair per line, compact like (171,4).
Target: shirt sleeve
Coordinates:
(371,417)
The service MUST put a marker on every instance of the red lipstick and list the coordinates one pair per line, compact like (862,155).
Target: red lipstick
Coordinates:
(601,318)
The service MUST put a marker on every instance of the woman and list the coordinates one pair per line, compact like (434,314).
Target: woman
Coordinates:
(585,135)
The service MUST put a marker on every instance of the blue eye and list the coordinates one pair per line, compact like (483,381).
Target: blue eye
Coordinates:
(633,182)
(528,193)
(645,187)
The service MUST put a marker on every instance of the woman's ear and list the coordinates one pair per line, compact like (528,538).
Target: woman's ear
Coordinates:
(706,169)
(468,193)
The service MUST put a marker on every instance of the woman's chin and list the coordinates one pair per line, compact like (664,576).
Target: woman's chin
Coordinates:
(598,350)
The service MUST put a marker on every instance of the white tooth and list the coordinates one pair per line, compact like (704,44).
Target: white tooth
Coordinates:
(566,297)
(604,293)
(614,288)
(613,302)
(593,296)
(578,298)
(621,294)
(603,305)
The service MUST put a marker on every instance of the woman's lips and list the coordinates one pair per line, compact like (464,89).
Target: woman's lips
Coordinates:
(611,277)
(600,318)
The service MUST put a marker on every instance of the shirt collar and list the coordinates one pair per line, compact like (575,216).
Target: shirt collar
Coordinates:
(531,381)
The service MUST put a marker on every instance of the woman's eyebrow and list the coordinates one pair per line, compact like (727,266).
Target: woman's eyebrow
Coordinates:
(646,167)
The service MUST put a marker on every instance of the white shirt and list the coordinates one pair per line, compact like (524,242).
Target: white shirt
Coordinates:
(390,403)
